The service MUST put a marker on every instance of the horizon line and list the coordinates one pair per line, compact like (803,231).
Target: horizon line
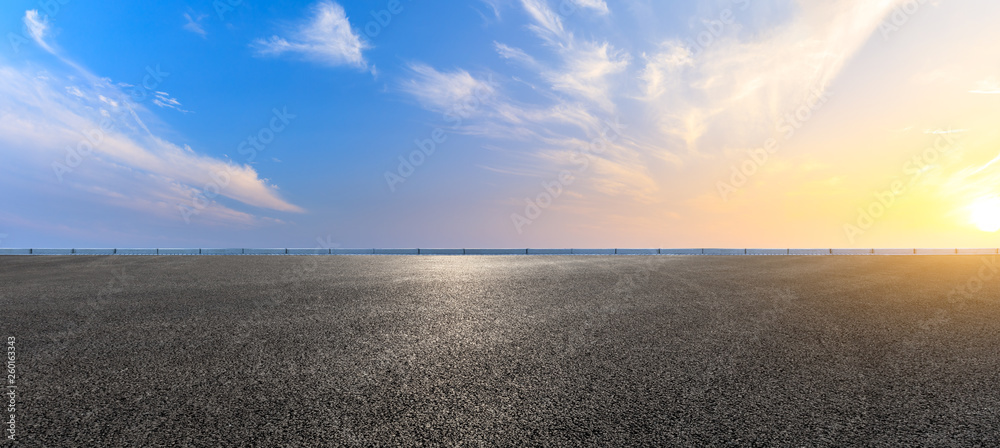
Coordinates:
(499,251)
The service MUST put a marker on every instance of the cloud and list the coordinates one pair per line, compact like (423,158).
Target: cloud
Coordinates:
(42,116)
(584,68)
(547,24)
(679,103)
(661,67)
(586,72)
(194,24)
(735,88)
(515,54)
(989,86)
(163,99)
(446,91)
(326,37)
(573,107)
(494,8)
(85,132)
(597,5)
(37,28)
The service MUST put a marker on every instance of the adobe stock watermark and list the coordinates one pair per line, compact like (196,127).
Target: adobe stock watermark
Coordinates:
(960,296)
(899,17)
(986,273)
(51,8)
(885,199)
(714,29)
(249,147)
(553,189)
(460,111)
(92,138)
(786,126)
(382,18)
(312,262)
(223,7)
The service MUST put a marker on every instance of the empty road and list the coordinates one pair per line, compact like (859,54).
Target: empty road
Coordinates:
(509,351)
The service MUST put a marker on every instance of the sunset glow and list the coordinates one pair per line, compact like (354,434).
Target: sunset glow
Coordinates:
(986,214)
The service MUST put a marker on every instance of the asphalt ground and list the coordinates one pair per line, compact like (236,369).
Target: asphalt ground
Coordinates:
(511,351)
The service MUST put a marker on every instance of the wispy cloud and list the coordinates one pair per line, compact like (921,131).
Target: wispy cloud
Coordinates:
(736,87)
(944,131)
(85,131)
(49,120)
(597,5)
(583,68)
(494,8)
(194,24)
(572,108)
(37,27)
(990,86)
(516,54)
(445,91)
(325,37)
(587,71)
(163,99)
(730,93)
(547,22)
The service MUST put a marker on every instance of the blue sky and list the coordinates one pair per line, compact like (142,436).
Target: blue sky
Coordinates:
(554,123)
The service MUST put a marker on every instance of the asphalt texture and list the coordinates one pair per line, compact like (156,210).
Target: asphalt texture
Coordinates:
(504,351)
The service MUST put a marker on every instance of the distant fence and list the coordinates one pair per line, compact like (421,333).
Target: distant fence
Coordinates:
(390,251)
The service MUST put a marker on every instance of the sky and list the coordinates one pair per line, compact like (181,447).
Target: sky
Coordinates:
(500,123)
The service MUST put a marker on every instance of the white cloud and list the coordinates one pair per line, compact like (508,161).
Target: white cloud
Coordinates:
(326,37)
(446,91)
(194,24)
(725,95)
(494,7)
(43,117)
(37,28)
(736,88)
(584,68)
(989,86)
(547,24)
(515,54)
(163,99)
(662,67)
(579,86)
(586,72)
(597,5)
(944,131)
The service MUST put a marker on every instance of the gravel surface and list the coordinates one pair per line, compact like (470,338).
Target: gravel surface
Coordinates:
(512,351)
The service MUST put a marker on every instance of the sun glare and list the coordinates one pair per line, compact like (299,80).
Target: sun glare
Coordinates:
(986,214)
